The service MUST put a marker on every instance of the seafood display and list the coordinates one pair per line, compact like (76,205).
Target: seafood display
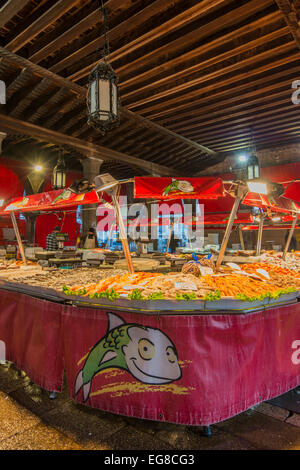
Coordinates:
(14,264)
(56,278)
(150,286)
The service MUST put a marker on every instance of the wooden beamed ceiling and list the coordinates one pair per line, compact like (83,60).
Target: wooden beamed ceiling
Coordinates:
(196,77)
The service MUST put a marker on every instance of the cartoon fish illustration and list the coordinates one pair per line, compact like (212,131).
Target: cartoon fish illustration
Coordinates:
(145,352)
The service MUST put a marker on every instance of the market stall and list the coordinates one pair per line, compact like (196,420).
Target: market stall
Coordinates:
(194,348)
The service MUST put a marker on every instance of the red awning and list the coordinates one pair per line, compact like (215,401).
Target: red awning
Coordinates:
(276,204)
(268,227)
(53,200)
(292,191)
(173,188)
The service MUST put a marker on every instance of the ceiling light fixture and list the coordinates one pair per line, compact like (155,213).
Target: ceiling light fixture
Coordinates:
(103,94)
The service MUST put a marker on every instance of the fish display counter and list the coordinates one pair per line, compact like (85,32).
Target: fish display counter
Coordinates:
(190,362)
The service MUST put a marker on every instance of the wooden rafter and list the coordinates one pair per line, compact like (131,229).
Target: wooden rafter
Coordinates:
(291,18)
(11,126)
(10,9)
(81,91)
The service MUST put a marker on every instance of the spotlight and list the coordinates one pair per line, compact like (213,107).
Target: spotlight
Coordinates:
(243,158)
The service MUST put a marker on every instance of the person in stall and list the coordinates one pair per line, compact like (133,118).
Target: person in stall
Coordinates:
(293,243)
(52,243)
(90,242)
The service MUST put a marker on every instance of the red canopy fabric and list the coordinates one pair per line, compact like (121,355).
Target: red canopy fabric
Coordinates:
(185,188)
(53,200)
(268,227)
(292,191)
(276,204)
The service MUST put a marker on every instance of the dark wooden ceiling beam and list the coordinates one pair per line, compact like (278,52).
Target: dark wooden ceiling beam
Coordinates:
(248,62)
(81,92)
(228,130)
(250,106)
(11,125)
(173,106)
(90,21)
(40,24)
(260,141)
(248,115)
(196,52)
(37,103)
(10,9)
(179,21)
(14,102)
(291,18)
(237,89)
(231,18)
(255,119)
(201,66)
(247,99)
(55,101)
(52,116)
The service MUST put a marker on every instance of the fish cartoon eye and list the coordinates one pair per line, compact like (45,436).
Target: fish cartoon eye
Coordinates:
(172,357)
(146,349)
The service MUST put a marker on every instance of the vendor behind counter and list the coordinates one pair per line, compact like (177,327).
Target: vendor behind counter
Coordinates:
(90,241)
(52,242)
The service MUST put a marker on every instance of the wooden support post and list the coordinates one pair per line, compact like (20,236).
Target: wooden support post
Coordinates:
(290,236)
(241,237)
(259,235)
(16,229)
(123,235)
(238,198)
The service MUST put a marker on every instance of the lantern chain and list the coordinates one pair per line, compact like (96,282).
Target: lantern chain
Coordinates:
(103,11)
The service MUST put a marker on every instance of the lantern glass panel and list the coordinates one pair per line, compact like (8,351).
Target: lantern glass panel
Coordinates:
(256,172)
(250,172)
(93,98)
(114,100)
(104,102)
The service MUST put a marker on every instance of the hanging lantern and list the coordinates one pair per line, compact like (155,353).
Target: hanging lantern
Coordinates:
(59,174)
(103,113)
(103,95)
(253,168)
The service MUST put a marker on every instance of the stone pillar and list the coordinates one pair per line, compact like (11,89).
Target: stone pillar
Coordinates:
(2,137)
(91,169)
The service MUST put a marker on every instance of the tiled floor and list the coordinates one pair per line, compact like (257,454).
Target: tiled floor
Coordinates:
(30,420)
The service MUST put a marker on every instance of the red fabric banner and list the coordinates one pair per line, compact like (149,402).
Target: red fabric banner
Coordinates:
(32,332)
(191,370)
(173,188)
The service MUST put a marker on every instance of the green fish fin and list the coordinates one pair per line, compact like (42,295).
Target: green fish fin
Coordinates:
(114,321)
(108,356)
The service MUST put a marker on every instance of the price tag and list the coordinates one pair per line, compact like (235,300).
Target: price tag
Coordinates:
(264,273)
(205,270)
(233,266)
(185,286)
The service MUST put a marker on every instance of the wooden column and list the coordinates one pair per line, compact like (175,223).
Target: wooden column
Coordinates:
(239,195)
(259,235)
(290,236)
(123,235)
(16,229)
